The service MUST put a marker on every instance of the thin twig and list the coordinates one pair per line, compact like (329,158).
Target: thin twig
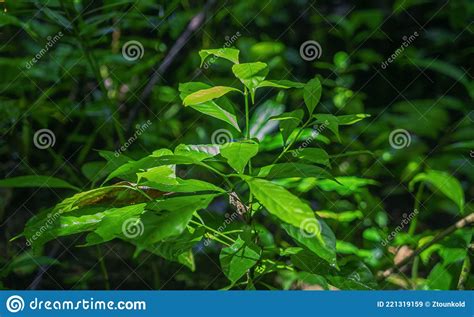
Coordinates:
(464,222)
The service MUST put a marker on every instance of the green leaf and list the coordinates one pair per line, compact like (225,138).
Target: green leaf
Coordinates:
(162,219)
(314,155)
(164,179)
(238,154)
(128,170)
(445,183)
(179,249)
(50,225)
(175,160)
(283,84)
(113,160)
(316,235)
(287,170)
(312,94)
(36,181)
(351,118)
(341,216)
(230,54)
(439,278)
(237,259)
(198,152)
(112,224)
(170,217)
(345,185)
(260,123)
(204,95)
(280,202)
(266,50)
(251,74)
(328,121)
(289,121)
(352,275)
(223,111)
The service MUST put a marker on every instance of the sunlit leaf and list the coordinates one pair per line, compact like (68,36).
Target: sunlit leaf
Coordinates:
(445,183)
(312,94)
(208,94)
(238,258)
(280,202)
(230,54)
(238,154)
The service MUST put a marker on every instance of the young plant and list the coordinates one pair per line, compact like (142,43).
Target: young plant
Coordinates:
(273,231)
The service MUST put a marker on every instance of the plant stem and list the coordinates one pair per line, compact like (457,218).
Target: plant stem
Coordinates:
(416,207)
(411,232)
(213,230)
(103,268)
(465,270)
(292,141)
(224,176)
(247,126)
(466,221)
(247,136)
(414,271)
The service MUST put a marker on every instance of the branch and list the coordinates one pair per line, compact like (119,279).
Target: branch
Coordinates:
(466,221)
(193,25)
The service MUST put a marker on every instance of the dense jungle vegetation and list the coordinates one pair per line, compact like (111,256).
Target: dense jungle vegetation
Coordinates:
(236,144)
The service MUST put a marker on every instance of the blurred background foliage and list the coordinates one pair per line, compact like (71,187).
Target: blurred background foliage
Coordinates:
(93,99)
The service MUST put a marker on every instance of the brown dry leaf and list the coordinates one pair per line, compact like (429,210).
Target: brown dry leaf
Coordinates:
(402,253)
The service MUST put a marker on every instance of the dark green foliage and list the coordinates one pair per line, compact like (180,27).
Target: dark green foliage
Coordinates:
(139,141)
